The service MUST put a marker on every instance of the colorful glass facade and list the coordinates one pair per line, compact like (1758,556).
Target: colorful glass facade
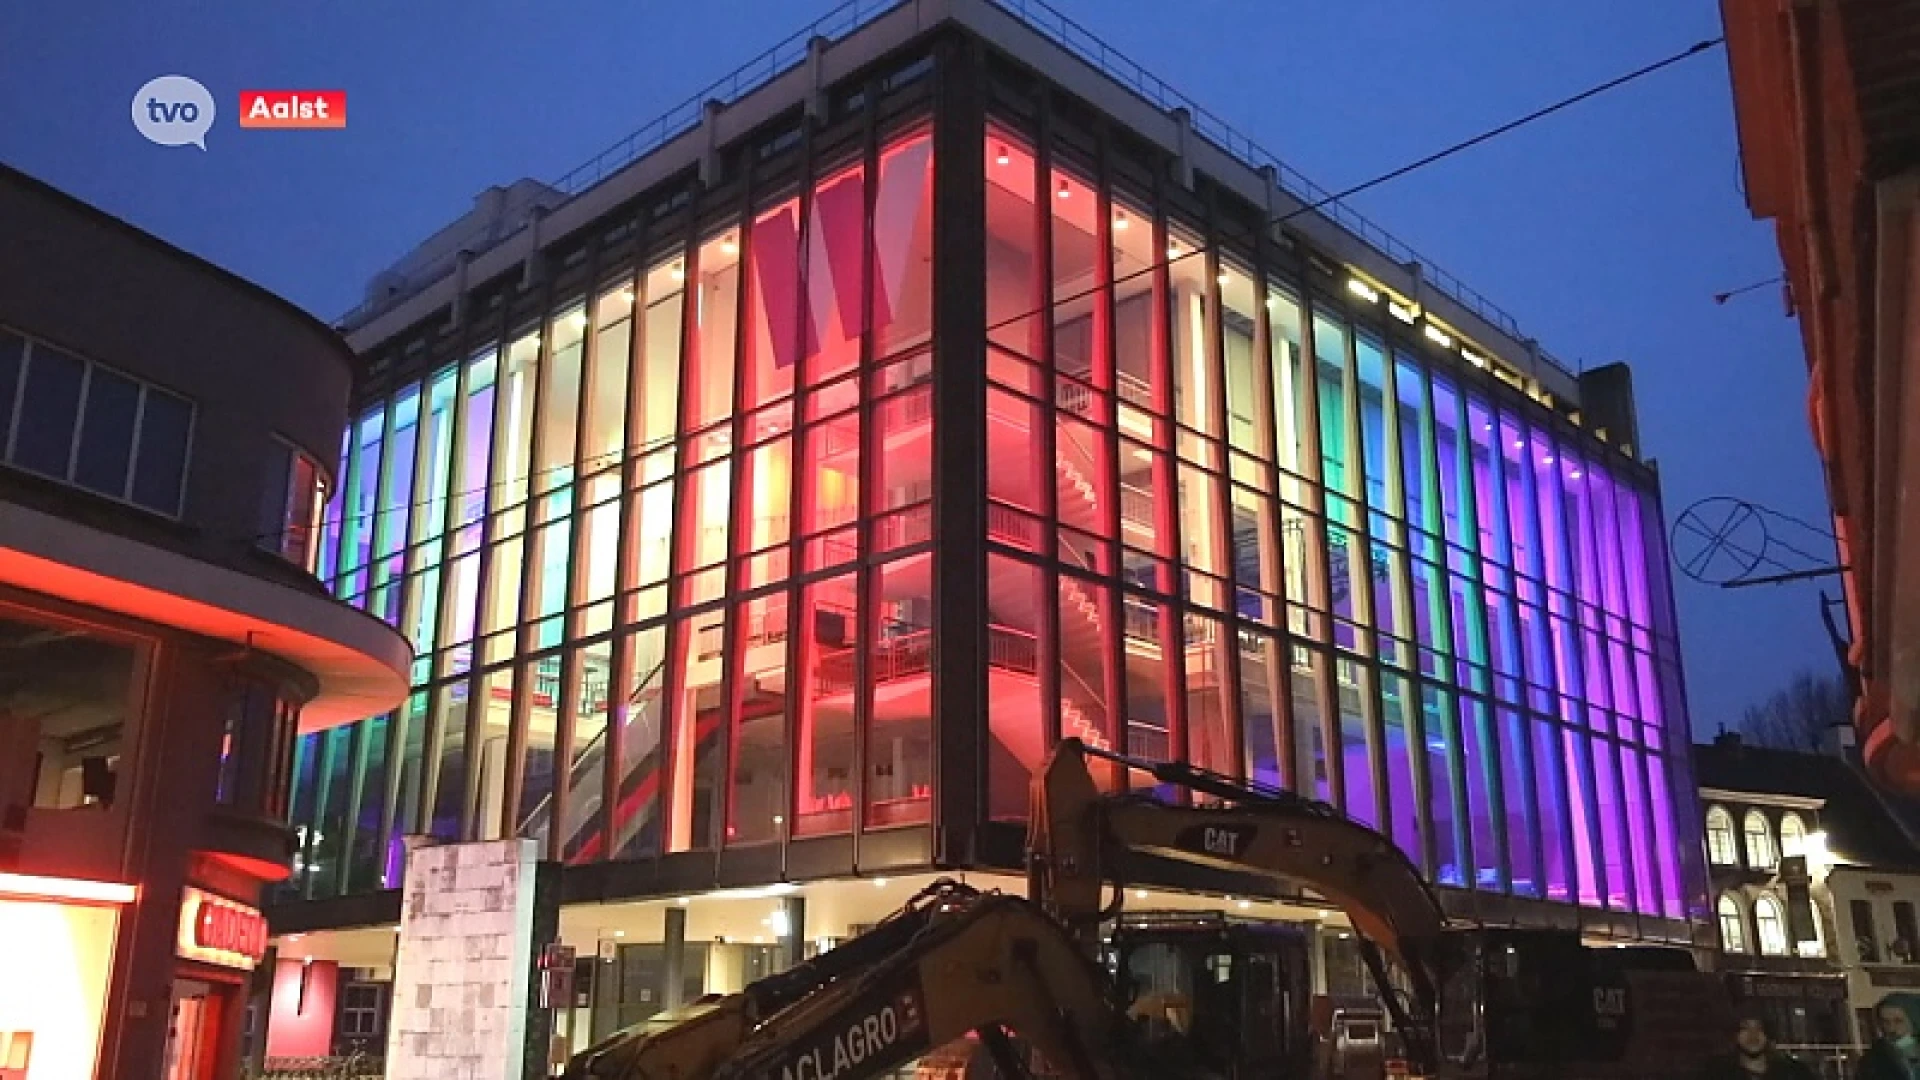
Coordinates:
(668,555)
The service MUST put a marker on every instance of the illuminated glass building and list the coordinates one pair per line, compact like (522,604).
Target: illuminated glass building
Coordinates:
(765,510)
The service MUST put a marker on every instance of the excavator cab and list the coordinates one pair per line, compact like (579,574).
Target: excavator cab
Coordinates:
(1232,997)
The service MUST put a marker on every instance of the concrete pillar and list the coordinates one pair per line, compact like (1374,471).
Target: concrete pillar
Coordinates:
(463,977)
(674,967)
(793,942)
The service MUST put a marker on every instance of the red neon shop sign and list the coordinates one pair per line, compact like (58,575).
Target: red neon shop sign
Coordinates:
(216,930)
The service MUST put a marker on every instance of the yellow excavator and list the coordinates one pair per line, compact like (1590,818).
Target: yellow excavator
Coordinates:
(1035,986)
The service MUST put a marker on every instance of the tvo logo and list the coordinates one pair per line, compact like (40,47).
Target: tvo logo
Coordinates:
(173,110)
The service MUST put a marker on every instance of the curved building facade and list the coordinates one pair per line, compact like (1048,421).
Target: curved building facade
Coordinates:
(763,514)
(166,436)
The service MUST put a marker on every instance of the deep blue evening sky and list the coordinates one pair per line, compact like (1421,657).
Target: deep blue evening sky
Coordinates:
(1606,229)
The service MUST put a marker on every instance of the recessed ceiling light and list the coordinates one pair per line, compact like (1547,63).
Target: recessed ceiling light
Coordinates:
(1120,219)
(1000,156)
(1065,190)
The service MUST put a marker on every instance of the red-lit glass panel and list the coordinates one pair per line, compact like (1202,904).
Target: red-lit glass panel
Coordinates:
(709,363)
(900,679)
(903,246)
(1137,328)
(835,233)
(765,508)
(757,808)
(1016,472)
(1078,273)
(772,326)
(903,469)
(830,496)
(1090,686)
(827,701)
(1014,289)
(1210,722)
(1016,654)
(702,532)
(695,732)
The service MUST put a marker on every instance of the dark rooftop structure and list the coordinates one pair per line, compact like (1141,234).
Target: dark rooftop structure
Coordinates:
(1863,825)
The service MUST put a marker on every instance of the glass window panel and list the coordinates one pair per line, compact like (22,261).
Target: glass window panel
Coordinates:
(1489,494)
(1446,801)
(836,232)
(1483,793)
(757,806)
(1014,464)
(1549,786)
(1089,683)
(1148,626)
(1311,681)
(702,524)
(513,435)
(1646,878)
(831,496)
(331,521)
(1211,742)
(102,459)
(363,485)
(1577,755)
(49,411)
(1378,442)
(1247,403)
(1016,719)
(1136,375)
(903,245)
(1619,867)
(497,692)
(1263,707)
(651,527)
(160,468)
(1420,483)
(903,449)
(1076,276)
(544,685)
(696,731)
(827,705)
(709,387)
(398,466)
(1352,682)
(603,443)
(639,719)
(1292,396)
(583,836)
(773,305)
(1013,246)
(900,709)
(1200,536)
(1196,383)
(656,386)
(1258,560)
(1337,462)
(447,812)
(1399,717)
(557,434)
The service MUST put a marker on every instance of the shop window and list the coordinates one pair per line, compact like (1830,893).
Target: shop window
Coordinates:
(1770,926)
(1759,837)
(86,424)
(1733,924)
(292,493)
(77,691)
(1722,849)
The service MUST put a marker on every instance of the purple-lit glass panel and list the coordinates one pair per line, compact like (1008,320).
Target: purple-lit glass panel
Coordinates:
(1579,802)
(1363,801)
(1549,775)
(1606,786)
(1646,879)
(1518,799)
(1672,855)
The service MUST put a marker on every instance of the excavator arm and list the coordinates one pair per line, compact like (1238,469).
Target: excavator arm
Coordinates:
(1080,840)
(955,962)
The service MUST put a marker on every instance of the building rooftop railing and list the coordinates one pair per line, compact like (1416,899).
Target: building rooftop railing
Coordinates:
(1043,18)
